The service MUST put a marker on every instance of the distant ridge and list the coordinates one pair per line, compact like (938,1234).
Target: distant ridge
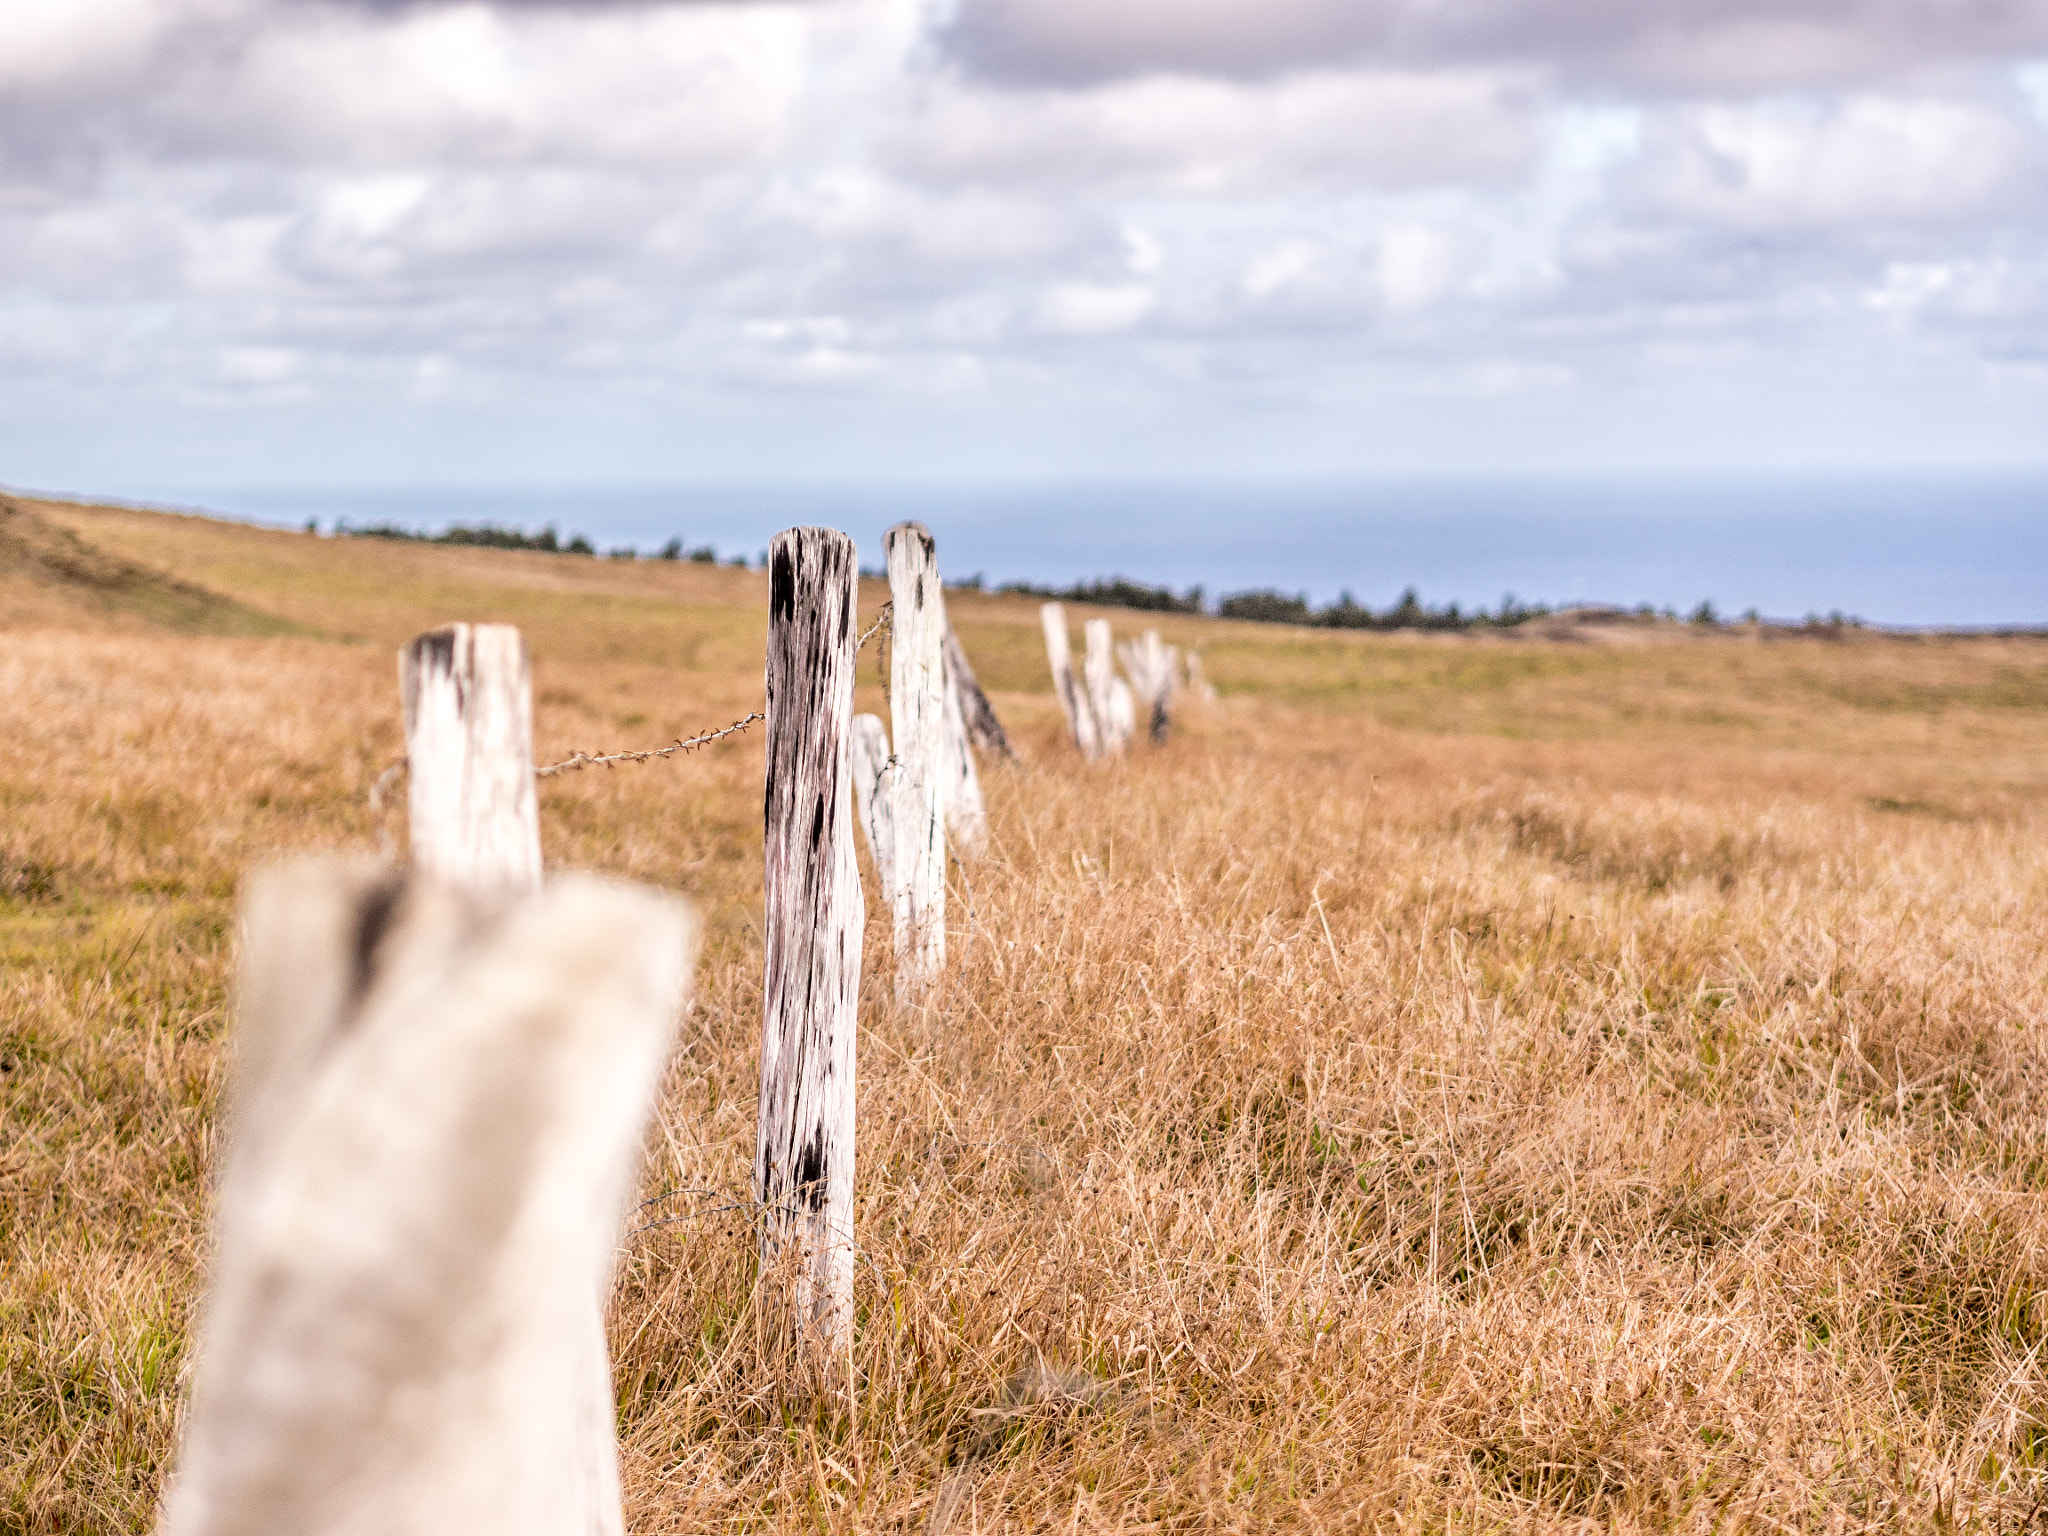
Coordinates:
(48,570)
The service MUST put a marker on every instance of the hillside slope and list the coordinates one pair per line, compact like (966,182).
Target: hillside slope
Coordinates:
(1453,1083)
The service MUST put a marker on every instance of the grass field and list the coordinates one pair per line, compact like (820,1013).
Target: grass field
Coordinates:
(1457,1083)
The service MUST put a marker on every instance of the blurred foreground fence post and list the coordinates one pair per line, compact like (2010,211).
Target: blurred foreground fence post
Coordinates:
(468,699)
(917,703)
(1065,685)
(983,728)
(803,1158)
(433,1131)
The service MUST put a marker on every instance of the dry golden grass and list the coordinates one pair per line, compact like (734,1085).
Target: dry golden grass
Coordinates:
(1454,1084)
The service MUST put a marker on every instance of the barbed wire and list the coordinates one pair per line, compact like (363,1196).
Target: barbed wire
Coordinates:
(581,760)
(606,759)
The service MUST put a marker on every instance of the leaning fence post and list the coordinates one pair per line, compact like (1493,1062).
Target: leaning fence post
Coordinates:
(1066,687)
(468,698)
(803,1153)
(983,728)
(872,802)
(917,627)
(1102,679)
(433,1130)
(966,813)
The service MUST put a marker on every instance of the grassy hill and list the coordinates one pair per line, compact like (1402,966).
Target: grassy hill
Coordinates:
(1457,1081)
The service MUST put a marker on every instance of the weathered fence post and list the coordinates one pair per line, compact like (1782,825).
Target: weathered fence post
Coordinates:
(467,693)
(917,702)
(966,813)
(1065,685)
(433,1130)
(803,1155)
(1102,679)
(1198,682)
(872,801)
(1154,670)
(468,699)
(983,728)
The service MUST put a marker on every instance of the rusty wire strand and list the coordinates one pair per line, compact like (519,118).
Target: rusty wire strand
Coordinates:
(606,759)
(580,760)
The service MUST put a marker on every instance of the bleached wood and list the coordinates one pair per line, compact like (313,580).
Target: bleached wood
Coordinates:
(917,704)
(1154,671)
(467,694)
(984,730)
(1100,675)
(966,813)
(872,801)
(468,702)
(813,921)
(434,1124)
(1123,711)
(1066,681)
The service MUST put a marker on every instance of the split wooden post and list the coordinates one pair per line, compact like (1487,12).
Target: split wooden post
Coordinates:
(984,730)
(468,698)
(917,685)
(966,813)
(814,918)
(433,1132)
(1066,685)
(1101,678)
(1154,671)
(872,801)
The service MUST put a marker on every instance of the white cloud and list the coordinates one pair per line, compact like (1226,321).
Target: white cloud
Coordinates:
(1203,209)
(1095,309)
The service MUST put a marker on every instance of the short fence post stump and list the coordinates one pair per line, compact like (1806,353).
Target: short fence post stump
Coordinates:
(468,698)
(917,701)
(803,1157)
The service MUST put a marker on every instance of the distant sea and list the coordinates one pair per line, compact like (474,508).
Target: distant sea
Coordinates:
(1899,549)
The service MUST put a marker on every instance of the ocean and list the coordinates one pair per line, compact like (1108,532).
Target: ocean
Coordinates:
(1922,549)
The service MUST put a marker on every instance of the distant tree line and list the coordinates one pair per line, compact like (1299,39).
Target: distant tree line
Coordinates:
(1264,605)
(547,541)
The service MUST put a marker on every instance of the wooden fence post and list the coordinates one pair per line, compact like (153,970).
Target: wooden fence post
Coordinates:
(983,728)
(433,1131)
(872,802)
(917,701)
(1154,670)
(1101,677)
(966,813)
(468,700)
(814,917)
(1066,686)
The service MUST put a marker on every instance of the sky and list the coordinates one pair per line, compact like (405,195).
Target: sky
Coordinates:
(303,243)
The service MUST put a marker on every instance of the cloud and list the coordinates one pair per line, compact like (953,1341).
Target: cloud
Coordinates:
(1215,211)
(1707,46)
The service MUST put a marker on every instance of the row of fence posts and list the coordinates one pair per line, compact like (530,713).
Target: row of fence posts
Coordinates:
(442,1076)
